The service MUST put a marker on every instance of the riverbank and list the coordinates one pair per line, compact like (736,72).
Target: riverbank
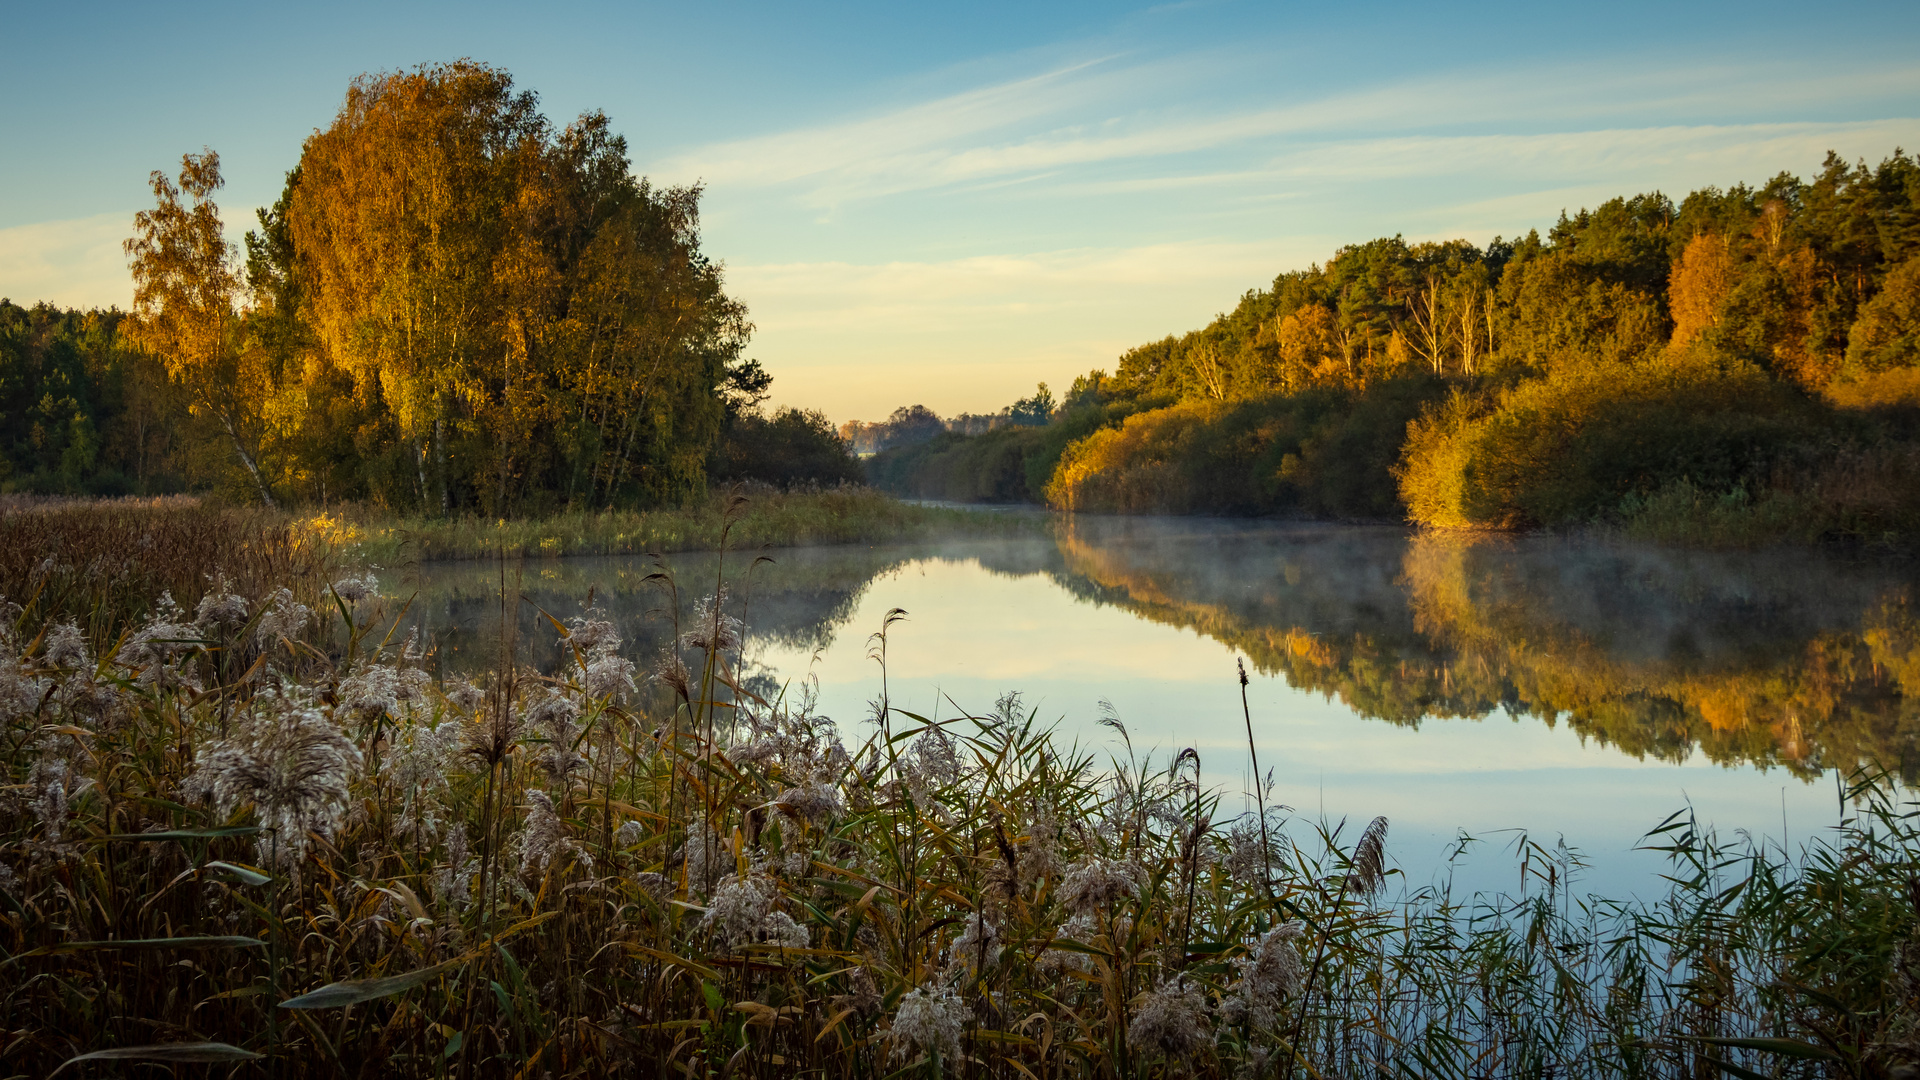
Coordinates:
(103,562)
(752,519)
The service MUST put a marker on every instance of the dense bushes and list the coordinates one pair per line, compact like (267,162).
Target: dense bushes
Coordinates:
(1689,447)
(1564,449)
(792,446)
(977,468)
(1325,450)
(1007,464)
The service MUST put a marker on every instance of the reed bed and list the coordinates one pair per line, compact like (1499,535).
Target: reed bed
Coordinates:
(845,514)
(105,563)
(253,838)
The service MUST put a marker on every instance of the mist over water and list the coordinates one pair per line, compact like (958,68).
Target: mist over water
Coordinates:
(1562,687)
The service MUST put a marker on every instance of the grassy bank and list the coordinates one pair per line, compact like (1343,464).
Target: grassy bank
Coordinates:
(248,835)
(75,558)
(755,518)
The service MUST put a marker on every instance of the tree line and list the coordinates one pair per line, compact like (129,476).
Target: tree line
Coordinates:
(454,305)
(910,425)
(1741,342)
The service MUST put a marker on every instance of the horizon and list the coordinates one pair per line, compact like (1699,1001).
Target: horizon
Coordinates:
(947,208)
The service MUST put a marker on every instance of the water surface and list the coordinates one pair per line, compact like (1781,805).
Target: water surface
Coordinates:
(1569,689)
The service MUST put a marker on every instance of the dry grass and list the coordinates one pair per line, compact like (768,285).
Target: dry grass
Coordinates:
(848,514)
(106,562)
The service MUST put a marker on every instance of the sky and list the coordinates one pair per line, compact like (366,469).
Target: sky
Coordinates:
(946,204)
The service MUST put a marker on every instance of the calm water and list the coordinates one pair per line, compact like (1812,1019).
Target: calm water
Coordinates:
(1487,686)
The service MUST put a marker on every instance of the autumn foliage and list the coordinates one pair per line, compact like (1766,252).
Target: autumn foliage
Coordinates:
(1746,345)
(455,306)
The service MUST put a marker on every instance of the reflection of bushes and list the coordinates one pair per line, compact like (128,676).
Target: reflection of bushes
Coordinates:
(1810,679)
(797,602)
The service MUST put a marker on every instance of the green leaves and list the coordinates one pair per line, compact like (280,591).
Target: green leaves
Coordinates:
(354,991)
(1792,1048)
(209,942)
(245,875)
(172,1053)
(224,941)
(187,834)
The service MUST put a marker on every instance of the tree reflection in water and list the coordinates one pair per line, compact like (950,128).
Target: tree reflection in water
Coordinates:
(1790,658)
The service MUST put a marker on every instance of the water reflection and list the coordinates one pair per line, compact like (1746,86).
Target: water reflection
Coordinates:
(1791,659)
(1785,658)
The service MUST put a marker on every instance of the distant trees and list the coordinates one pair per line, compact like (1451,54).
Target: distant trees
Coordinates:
(82,412)
(789,448)
(1033,411)
(911,425)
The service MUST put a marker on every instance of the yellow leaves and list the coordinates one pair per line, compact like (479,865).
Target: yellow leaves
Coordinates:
(1699,286)
(328,529)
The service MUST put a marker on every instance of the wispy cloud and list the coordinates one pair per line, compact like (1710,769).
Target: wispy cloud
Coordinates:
(975,333)
(977,136)
(1727,149)
(793,155)
(75,263)
(886,298)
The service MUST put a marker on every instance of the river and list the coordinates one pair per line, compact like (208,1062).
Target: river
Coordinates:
(1568,690)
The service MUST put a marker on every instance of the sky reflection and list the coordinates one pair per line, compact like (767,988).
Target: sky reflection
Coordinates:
(1562,688)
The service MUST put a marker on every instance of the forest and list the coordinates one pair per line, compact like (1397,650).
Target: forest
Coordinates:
(455,306)
(1743,363)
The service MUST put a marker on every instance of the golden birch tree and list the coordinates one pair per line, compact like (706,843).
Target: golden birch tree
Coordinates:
(186,289)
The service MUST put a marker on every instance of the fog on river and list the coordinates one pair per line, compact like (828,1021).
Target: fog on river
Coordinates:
(1489,686)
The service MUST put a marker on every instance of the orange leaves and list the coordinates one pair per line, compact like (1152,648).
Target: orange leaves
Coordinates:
(1700,284)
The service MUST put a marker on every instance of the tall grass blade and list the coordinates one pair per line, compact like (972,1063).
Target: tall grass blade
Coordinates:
(173,1053)
(354,991)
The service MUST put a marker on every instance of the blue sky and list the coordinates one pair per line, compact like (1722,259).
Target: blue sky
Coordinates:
(946,204)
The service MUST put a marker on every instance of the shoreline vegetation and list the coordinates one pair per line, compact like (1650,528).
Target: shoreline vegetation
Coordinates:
(105,561)
(1738,368)
(747,517)
(254,832)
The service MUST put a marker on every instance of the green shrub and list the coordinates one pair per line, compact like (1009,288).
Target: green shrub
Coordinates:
(1565,449)
(990,467)
(793,446)
(1325,450)
(1007,464)
(1683,513)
